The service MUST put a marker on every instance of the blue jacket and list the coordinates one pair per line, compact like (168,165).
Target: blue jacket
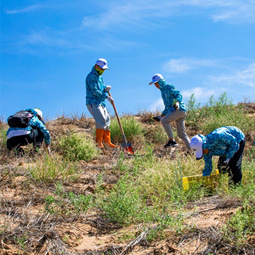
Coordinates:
(170,95)
(35,122)
(223,141)
(95,86)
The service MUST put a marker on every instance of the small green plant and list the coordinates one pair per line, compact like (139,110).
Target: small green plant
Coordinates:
(50,169)
(67,203)
(132,129)
(77,146)
(123,204)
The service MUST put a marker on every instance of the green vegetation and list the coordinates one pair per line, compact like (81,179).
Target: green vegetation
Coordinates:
(132,129)
(65,204)
(75,146)
(143,192)
(217,113)
(50,169)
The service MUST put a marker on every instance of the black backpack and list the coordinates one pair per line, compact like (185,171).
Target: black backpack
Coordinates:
(20,119)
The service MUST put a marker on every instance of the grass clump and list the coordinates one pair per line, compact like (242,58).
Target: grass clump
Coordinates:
(49,169)
(77,146)
(123,204)
(132,129)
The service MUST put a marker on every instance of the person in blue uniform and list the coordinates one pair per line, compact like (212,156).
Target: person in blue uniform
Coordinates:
(34,133)
(96,94)
(228,142)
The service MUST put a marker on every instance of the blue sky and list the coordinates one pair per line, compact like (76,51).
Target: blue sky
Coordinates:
(48,47)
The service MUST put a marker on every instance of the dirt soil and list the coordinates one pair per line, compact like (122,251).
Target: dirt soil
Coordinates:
(24,203)
(91,234)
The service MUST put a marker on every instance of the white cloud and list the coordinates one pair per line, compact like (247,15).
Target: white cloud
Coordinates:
(25,9)
(157,105)
(245,77)
(200,93)
(140,12)
(184,64)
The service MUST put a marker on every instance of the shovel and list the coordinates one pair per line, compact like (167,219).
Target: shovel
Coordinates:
(127,146)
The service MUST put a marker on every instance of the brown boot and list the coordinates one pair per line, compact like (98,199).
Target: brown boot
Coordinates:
(99,137)
(107,139)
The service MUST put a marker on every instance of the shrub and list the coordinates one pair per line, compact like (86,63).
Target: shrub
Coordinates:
(132,129)
(123,204)
(77,146)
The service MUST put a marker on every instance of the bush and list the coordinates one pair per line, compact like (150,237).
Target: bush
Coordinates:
(77,147)
(123,204)
(132,129)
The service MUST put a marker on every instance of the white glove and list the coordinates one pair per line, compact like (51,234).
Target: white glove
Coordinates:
(107,88)
(49,150)
(177,106)
(227,161)
(110,99)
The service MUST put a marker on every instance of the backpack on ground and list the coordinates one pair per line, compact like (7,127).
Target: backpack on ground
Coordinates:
(20,119)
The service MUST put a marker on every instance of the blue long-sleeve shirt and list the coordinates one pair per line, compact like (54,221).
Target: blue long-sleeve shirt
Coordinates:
(223,141)
(95,89)
(34,122)
(170,95)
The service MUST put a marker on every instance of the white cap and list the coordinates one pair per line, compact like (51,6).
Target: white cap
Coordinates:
(39,113)
(102,63)
(196,143)
(155,78)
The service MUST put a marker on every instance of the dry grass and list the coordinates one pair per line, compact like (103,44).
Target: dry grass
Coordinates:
(27,228)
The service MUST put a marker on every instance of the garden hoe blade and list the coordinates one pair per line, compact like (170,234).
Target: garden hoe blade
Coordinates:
(127,146)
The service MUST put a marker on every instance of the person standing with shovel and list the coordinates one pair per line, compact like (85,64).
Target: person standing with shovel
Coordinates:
(174,111)
(96,94)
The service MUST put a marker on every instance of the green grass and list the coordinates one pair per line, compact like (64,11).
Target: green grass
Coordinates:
(67,203)
(132,128)
(217,113)
(149,190)
(76,146)
(50,169)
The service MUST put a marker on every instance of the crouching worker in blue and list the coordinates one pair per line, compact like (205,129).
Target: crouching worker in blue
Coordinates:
(27,127)
(96,93)
(226,142)
(174,111)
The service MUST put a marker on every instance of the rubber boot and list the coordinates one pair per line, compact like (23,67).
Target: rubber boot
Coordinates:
(107,139)
(99,137)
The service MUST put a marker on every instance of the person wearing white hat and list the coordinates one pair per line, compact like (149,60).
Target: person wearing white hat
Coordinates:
(27,127)
(96,94)
(227,142)
(174,111)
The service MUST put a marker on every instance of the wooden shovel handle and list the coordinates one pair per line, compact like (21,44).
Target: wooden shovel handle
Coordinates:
(122,131)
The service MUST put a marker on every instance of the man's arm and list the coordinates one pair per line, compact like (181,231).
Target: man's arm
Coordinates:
(208,165)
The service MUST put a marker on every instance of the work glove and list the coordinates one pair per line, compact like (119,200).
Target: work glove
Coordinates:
(107,88)
(110,99)
(157,118)
(177,106)
(49,150)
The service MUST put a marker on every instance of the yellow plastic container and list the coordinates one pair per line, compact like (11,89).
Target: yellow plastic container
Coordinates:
(207,181)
